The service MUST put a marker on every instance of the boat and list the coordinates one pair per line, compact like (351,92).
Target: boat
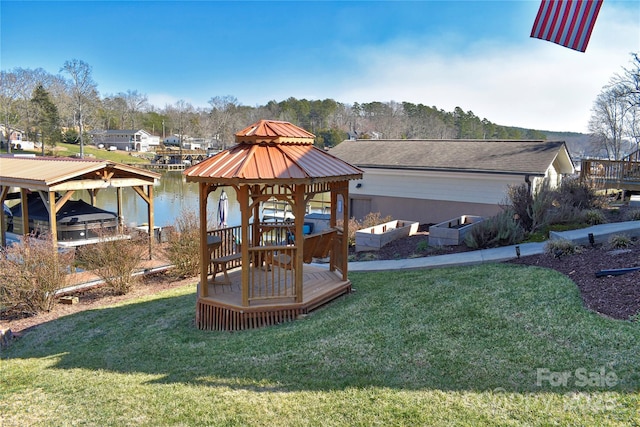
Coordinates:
(76,220)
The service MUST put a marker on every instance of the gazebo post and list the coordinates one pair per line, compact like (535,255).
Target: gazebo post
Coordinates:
(245,212)
(299,211)
(204,262)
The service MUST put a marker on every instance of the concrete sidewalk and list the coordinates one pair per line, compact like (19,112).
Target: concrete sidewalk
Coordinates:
(601,234)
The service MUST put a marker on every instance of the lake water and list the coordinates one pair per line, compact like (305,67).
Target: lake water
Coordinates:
(172,196)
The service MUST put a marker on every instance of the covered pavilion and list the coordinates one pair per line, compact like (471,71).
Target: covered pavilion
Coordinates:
(272,161)
(57,179)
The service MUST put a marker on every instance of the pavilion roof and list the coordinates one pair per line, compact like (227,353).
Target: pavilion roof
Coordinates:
(53,173)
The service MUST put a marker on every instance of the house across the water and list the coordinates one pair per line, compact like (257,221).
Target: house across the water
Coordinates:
(434,180)
(126,140)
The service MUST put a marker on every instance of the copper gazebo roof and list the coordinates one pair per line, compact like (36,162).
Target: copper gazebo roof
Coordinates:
(272,150)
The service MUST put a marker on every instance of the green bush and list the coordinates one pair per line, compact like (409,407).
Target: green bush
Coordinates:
(31,271)
(499,230)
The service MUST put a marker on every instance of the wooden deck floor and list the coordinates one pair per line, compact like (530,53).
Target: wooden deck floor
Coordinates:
(222,309)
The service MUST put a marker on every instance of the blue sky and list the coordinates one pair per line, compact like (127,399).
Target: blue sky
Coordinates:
(473,54)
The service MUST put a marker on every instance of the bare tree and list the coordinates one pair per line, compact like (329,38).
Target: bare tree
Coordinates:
(614,123)
(84,91)
(136,102)
(221,118)
(8,101)
(607,123)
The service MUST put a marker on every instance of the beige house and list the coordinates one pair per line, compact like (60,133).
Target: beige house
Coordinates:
(435,180)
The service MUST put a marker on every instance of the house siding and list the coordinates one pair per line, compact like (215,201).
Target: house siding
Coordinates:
(430,196)
(425,211)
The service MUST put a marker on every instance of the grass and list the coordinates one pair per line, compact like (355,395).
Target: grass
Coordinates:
(461,346)
(70,150)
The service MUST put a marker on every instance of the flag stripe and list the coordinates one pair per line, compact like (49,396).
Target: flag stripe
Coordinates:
(566,22)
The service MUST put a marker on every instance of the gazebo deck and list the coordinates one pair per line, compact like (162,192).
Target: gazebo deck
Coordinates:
(222,308)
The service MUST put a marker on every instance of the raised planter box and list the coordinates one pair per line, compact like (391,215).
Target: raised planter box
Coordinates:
(373,238)
(453,231)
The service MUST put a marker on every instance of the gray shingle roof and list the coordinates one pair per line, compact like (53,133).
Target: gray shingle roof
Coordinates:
(498,156)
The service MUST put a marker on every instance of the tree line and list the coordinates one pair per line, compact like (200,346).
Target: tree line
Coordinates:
(51,108)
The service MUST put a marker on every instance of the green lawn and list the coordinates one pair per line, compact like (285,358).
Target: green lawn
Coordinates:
(90,151)
(482,345)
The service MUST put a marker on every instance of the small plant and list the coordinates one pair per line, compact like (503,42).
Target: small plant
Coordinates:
(184,245)
(369,256)
(561,247)
(593,217)
(619,241)
(632,215)
(114,260)
(31,271)
(423,246)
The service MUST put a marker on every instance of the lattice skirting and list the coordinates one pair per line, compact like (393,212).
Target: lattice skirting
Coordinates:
(213,317)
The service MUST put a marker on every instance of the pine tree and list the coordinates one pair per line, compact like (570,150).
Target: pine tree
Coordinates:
(47,119)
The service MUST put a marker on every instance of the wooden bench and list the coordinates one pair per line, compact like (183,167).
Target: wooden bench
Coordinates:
(318,245)
(220,265)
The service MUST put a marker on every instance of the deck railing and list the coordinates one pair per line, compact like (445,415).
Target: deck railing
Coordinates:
(621,174)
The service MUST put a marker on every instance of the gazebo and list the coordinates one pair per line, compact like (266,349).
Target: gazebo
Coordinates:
(272,161)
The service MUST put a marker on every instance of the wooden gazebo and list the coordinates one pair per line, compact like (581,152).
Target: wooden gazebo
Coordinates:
(272,161)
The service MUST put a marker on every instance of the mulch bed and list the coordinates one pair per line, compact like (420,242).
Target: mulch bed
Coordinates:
(614,296)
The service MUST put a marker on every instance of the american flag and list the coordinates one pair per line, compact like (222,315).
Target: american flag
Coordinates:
(566,22)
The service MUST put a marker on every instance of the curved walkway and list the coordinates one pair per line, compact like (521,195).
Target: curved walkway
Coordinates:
(601,234)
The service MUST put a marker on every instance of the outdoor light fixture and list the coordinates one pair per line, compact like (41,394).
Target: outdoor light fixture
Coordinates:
(592,240)
(518,251)
(358,185)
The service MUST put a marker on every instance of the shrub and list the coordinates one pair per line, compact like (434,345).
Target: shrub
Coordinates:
(31,271)
(579,194)
(114,260)
(593,217)
(619,241)
(370,220)
(184,245)
(632,215)
(373,219)
(499,230)
(531,211)
(561,247)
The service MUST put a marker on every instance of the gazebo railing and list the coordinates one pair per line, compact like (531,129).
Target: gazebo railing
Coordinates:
(271,256)
(273,274)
